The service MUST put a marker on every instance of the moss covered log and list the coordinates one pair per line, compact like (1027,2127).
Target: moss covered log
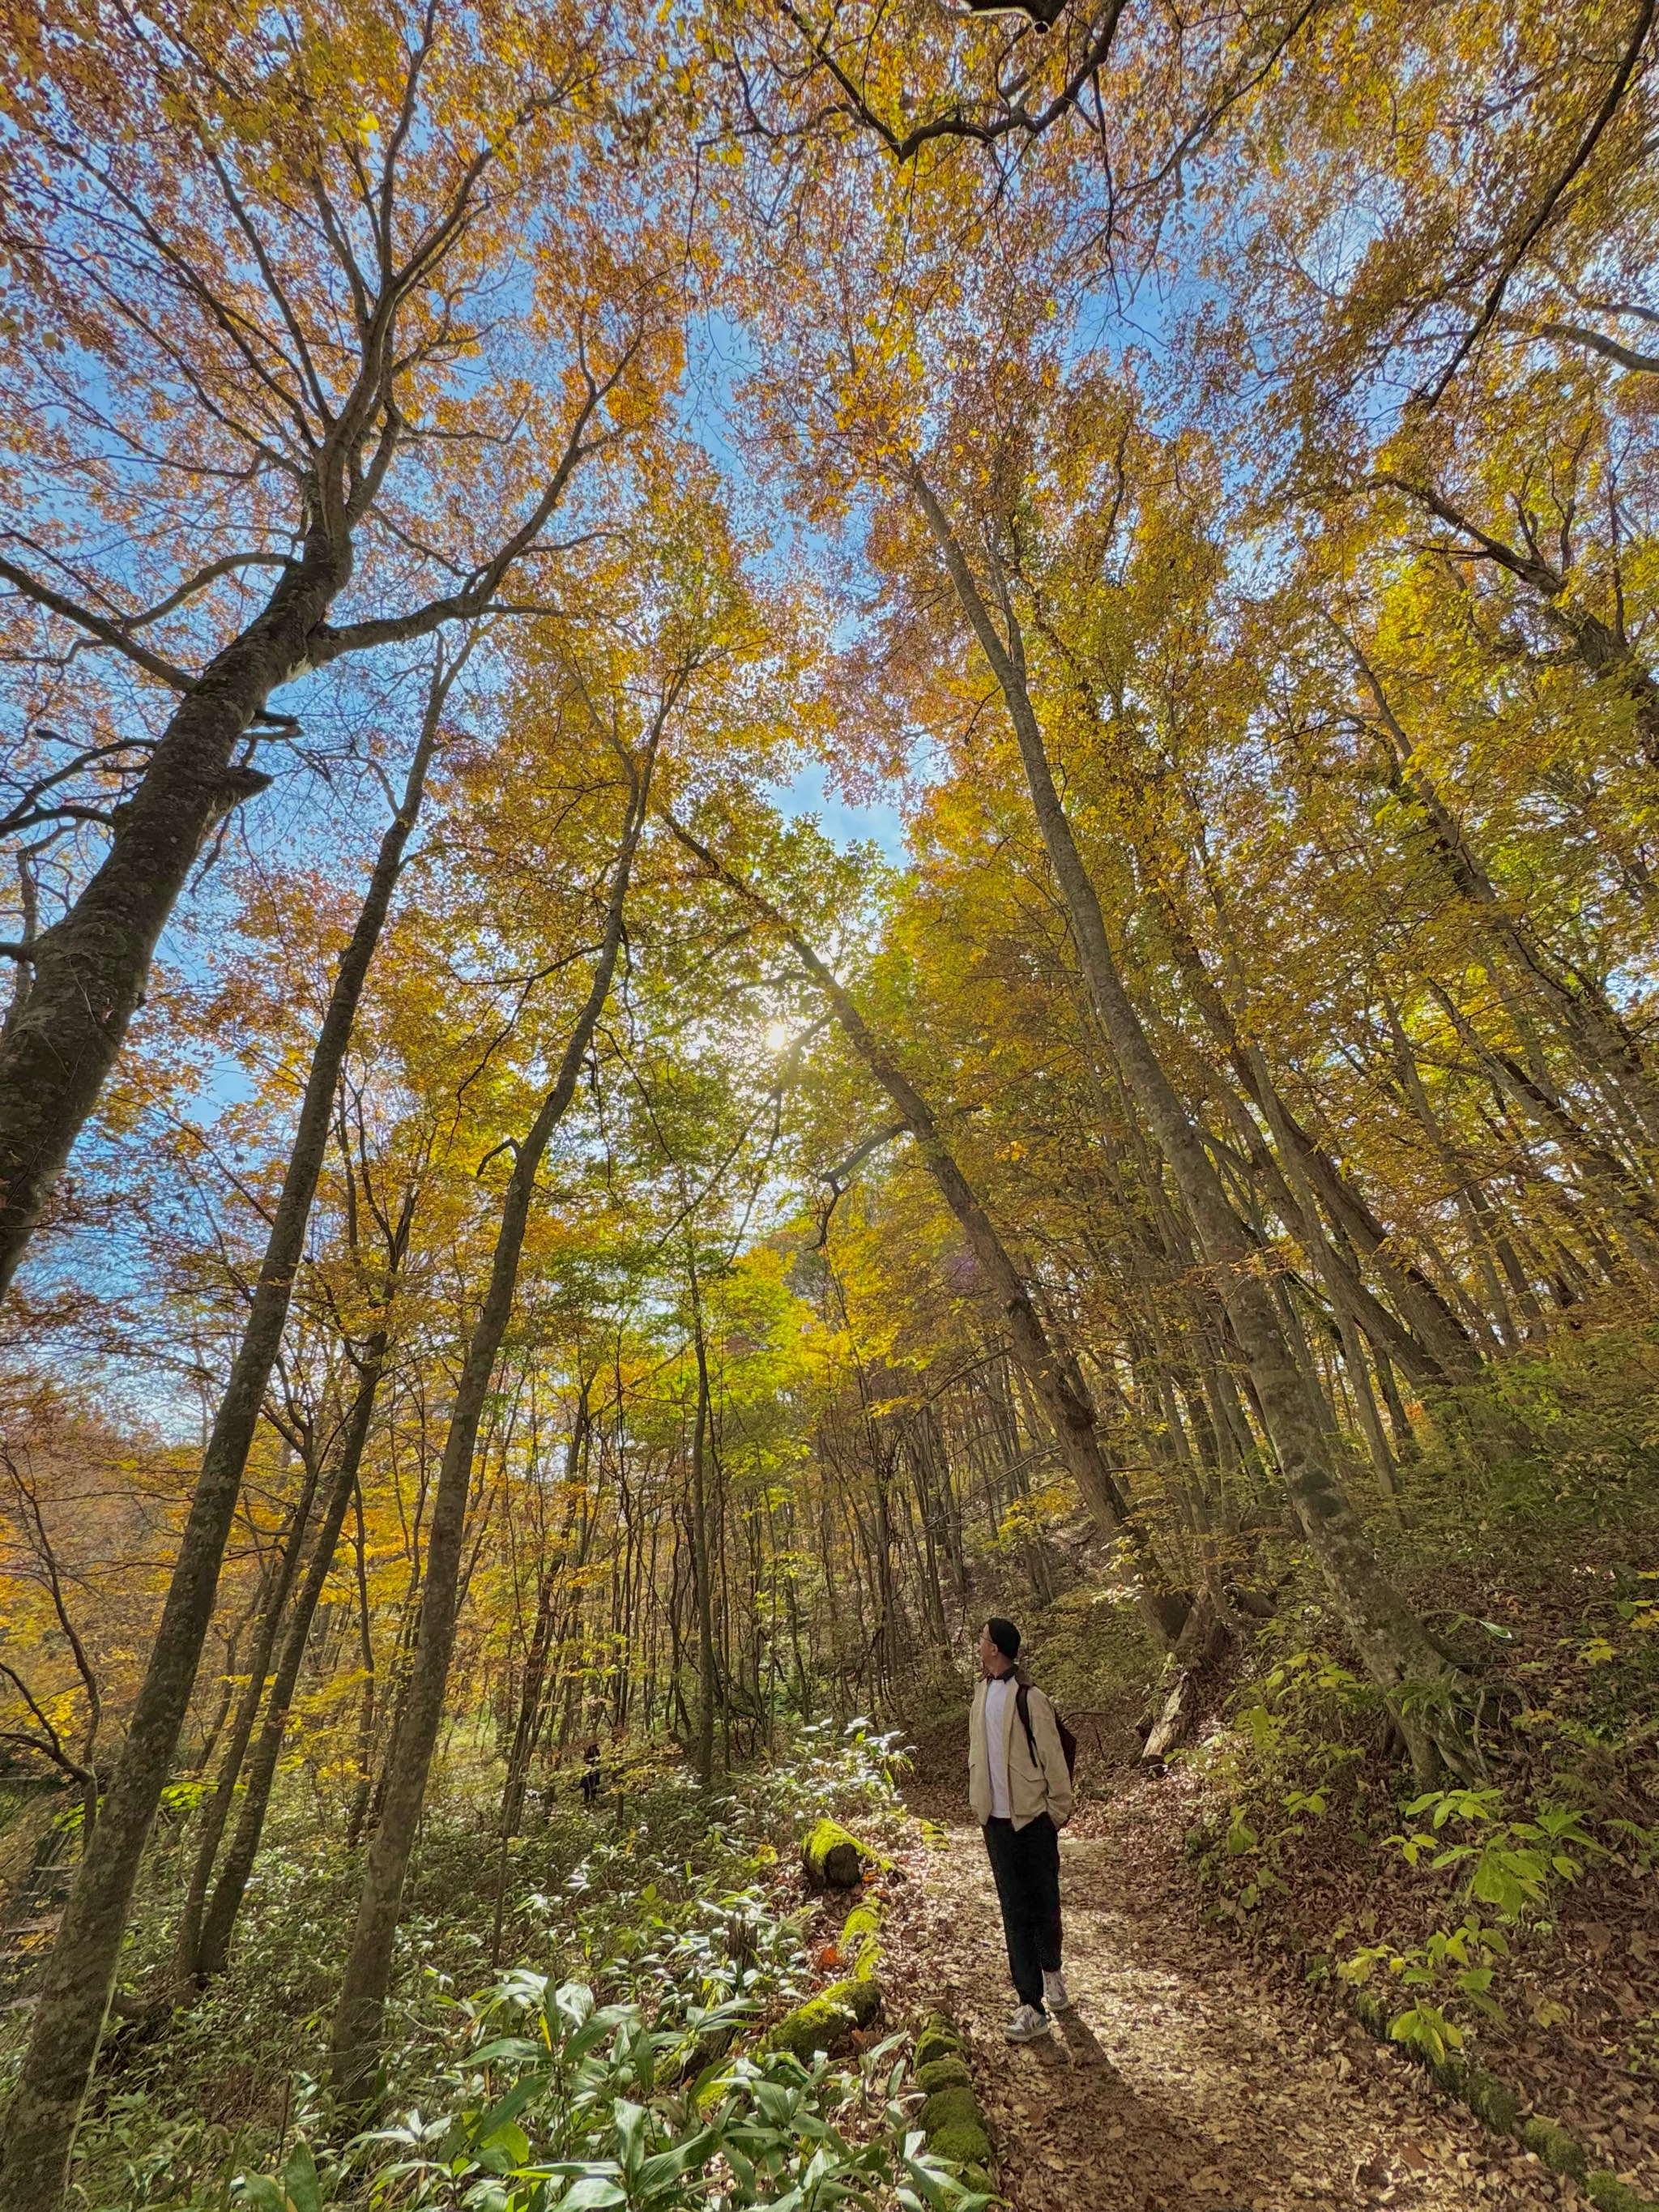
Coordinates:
(860,1941)
(955,2129)
(832,1857)
(1498,2104)
(827,2021)
(951,2119)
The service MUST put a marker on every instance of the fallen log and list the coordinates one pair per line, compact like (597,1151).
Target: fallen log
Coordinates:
(832,1857)
(828,2022)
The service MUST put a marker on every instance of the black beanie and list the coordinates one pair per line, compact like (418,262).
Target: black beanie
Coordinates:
(1004,1635)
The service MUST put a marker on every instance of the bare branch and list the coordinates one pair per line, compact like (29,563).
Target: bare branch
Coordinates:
(107,632)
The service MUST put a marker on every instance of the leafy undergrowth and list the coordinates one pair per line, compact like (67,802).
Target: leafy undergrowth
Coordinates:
(1512,1923)
(614,2064)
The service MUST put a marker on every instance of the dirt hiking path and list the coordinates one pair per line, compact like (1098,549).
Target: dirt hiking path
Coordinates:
(1179,2080)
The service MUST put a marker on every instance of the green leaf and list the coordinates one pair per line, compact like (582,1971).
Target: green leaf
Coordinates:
(298,2190)
(262,2194)
(505,2048)
(508,2143)
(591,2194)
(509,2106)
(665,2165)
(572,2003)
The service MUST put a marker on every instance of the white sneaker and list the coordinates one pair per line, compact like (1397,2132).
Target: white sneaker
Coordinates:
(1056,1997)
(1027,2026)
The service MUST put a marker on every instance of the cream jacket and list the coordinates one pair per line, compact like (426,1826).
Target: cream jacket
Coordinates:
(1035,1786)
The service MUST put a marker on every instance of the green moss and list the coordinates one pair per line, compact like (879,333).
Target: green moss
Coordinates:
(826,2021)
(859,1939)
(942,2074)
(937,2039)
(1491,2100)
(964,2142)
(952,2123)
(832,1857)
(948,2105)
(1555,2147)
(1609,2194)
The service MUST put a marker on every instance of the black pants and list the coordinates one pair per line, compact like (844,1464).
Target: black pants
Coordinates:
(1025,1863)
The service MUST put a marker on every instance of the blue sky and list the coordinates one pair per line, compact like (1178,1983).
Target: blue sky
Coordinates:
(719,355)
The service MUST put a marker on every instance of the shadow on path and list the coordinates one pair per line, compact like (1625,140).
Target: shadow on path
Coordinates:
(1179,2080)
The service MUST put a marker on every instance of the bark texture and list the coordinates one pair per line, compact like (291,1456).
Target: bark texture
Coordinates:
(218,1809)
(220,1922)
(89,968)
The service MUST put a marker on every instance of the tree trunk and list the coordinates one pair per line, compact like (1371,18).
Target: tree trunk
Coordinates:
(90,969)
(354,2046)
(1595,1034)
(360,1796)
(1428,1341)
(217,1811)
(75,1993)
(541,1641)
(699,1562)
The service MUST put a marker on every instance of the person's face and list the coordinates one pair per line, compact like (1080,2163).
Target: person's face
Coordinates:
(989,1657)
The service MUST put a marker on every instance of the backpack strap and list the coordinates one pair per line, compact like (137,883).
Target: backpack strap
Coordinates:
(1022,1707)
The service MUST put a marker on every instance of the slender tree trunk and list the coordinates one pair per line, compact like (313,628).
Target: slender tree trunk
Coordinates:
(1591,1026)
(1428,1339)
(360,1796)
(528,1723)
(1396,1651)
(217,1811)
(354,2057)
(1625,1199)
(702,1573)
(69,2020)
(231,1886)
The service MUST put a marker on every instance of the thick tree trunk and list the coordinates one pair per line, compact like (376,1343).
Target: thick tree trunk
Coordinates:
(354,2057)
(1396,1651)
(75,1993)
(90,969)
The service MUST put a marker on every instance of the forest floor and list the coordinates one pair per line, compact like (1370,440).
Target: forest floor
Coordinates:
(1181,2080)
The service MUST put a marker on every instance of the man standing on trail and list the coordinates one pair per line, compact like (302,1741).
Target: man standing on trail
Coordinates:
(1020,1790)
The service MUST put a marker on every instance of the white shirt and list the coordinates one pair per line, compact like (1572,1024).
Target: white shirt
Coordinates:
(999,1693)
